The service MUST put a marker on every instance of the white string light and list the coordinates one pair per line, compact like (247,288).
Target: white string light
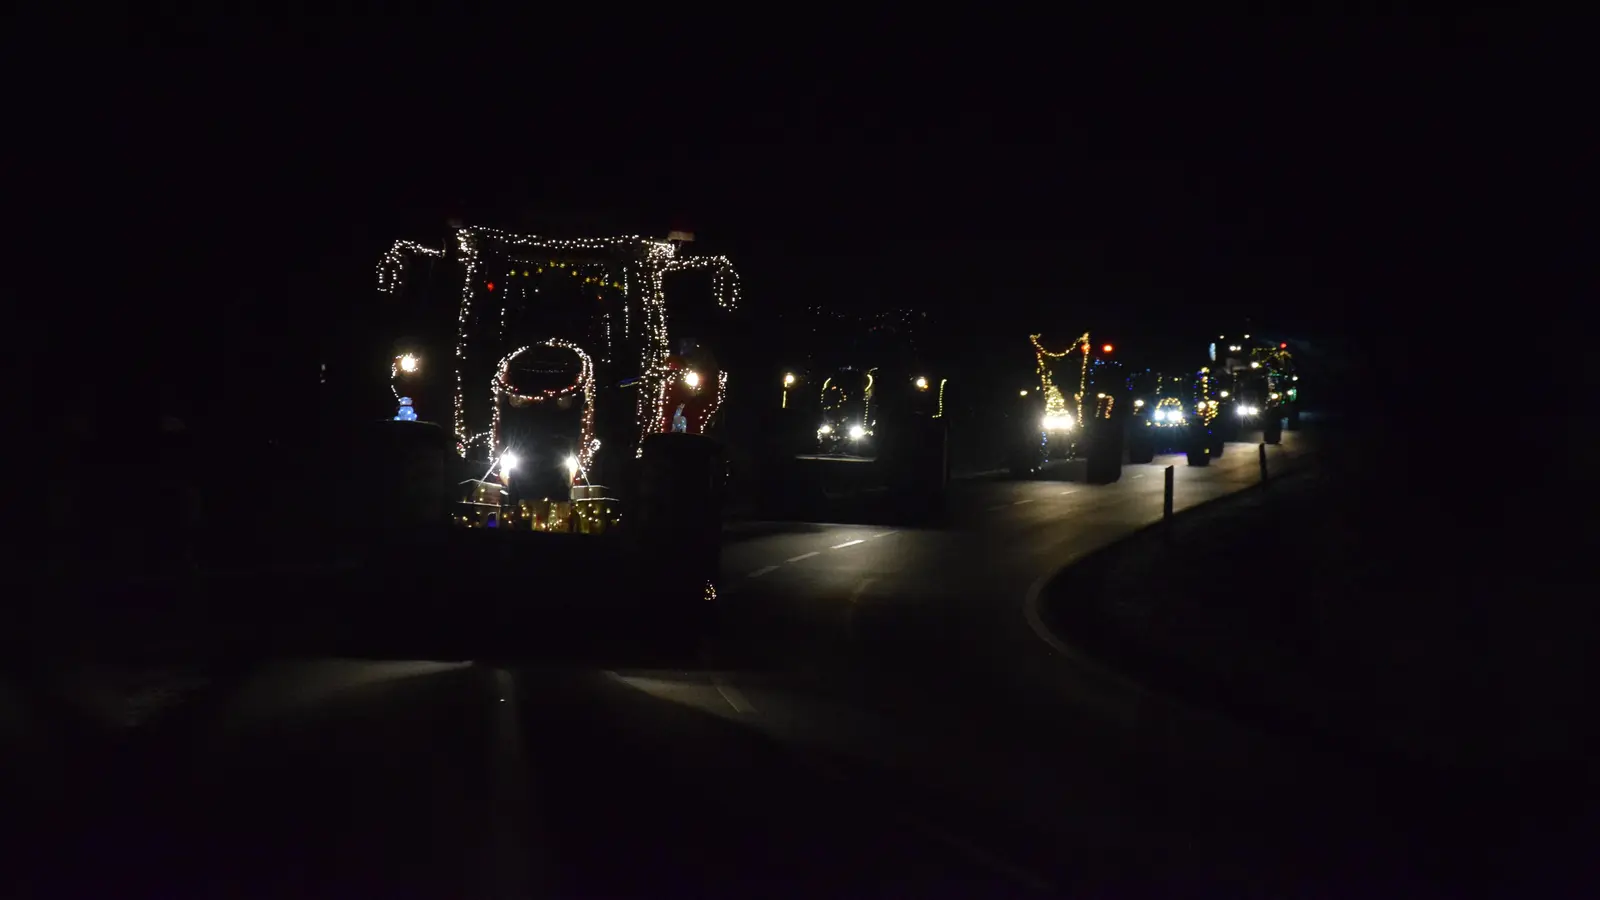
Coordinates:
(643,263)
(504,392)
(392,266)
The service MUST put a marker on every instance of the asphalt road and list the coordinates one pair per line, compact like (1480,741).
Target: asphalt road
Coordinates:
(881,715)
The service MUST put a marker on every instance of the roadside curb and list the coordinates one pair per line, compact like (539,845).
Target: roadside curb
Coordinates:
(1061,610)
(1086,574)
(973,475)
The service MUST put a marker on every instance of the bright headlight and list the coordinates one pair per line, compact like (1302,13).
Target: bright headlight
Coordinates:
(857,432)
(1057,422)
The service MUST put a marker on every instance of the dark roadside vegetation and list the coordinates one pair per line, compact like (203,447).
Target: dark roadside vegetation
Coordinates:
(1420,609)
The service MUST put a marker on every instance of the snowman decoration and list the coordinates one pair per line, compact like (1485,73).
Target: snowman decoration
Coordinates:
(406,413)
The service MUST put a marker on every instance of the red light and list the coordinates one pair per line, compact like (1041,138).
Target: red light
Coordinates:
(490,285)
(1106,349)
(1283,346)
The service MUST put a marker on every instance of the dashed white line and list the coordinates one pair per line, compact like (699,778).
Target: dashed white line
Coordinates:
(795,559)
(882,534)
(1020,502)
(1073,491)
(1137,475)
(847,544)
(762,571)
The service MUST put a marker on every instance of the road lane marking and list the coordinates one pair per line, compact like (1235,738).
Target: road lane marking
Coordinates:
(795,559)
(1020,502)
(1137,475)
(1073,491)
(732,695)
(762,571)
(847,544)
(882,534)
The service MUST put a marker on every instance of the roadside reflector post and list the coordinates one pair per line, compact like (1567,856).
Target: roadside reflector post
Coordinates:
(1166,497)
(1261,453)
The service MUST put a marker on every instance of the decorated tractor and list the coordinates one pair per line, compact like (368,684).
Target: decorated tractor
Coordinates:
(1256,383)
(859,414)
(578,384)
(1168,414)
(1062,410)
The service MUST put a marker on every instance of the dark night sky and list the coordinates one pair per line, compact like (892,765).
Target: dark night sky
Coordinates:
(1315,175)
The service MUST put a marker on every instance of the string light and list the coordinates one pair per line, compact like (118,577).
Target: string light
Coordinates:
(392,266)
(699,424)
(1055,404)
(724,278)
(1204,404)
(1168,412)
(643,262)
(504,391)
(866,402)
(716,404)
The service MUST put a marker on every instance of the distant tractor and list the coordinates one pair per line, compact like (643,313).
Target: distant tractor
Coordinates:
(1072,396)
(1257,381)
(859,414)
(1168,417)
